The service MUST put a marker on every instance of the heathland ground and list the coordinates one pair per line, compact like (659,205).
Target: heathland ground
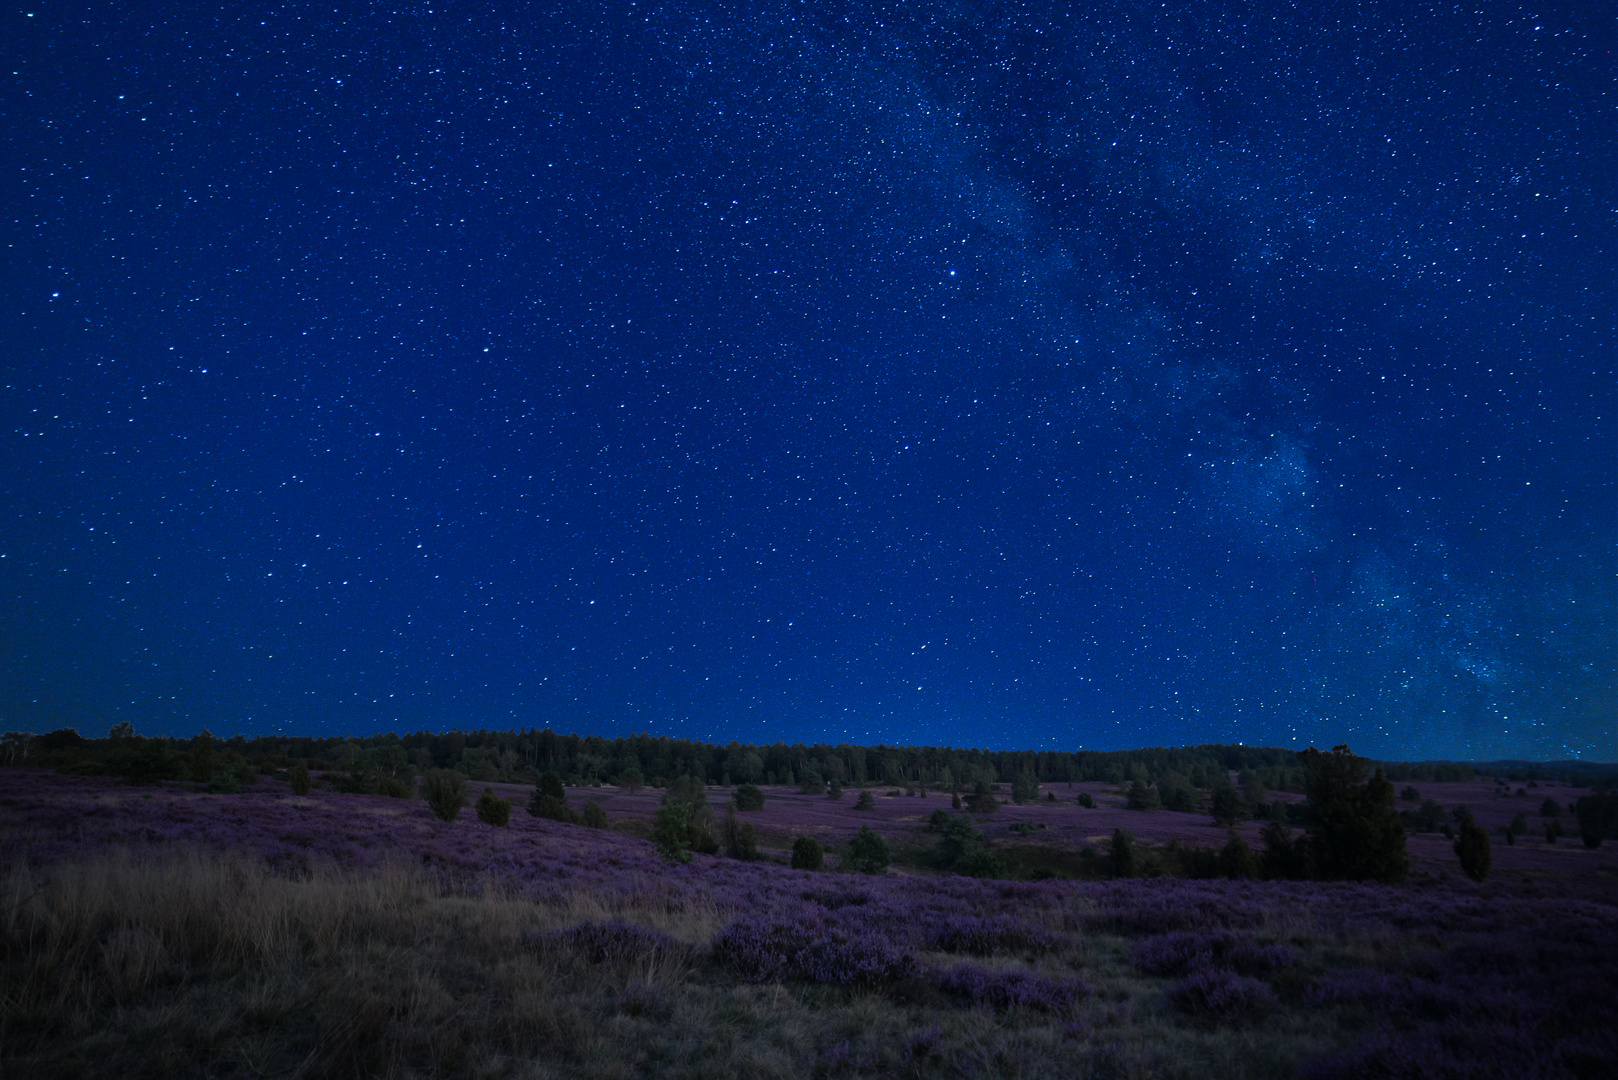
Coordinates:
(168,931)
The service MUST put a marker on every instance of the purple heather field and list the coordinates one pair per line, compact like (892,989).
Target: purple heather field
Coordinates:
(1512,977)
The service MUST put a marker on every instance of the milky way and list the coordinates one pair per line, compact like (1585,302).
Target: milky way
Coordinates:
(1033,376)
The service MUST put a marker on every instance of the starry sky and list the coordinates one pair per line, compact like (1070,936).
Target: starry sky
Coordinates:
(1014,375)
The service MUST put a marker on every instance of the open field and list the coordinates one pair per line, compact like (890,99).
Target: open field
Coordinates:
(164,931)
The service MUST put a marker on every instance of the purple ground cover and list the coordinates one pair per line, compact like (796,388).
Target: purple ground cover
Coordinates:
(1520,969)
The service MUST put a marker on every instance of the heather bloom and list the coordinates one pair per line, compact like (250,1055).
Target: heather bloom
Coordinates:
(1003,989)
(1221,994)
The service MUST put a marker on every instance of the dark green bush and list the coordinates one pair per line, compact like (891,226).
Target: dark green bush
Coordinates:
(749,797)
(834,790)
(808,853)
(865,802)
(492,809)
(445,792)
(1086,800)
(1473,849)
(593,816)
(1123,858)
(392,787)
(1141,797)
(867,852)
(741,839)
(1227,806)
(1354,830)
(300,778)
(1550,808)
(1236,859)
(671,831)
(982,800)
(1024,788)
(549,786)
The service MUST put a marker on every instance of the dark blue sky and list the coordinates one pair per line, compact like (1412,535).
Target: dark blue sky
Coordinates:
(1010,375)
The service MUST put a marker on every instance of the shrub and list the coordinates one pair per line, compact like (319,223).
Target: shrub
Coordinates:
(812,784)
(671,831)
(493,810)
(224,782)
(1087,800)
(593,816)
(749,797)
(741,839)
(300,778)
(1122,855)
(1141,797)
(955,800)
(1472,848)
(1024,788)
(1227,806)
(631,780)
(979,863)
(1284,857)
(1050,796)
(690,792)
(1410,794)
(808,853)
(1354,831)
(445,792)
(959,837)
(1220,994)
(867,852)
(834,790)
(1598,817)
(1550,808)
(865,802)
(982,800)
(1236,859)
(549,786)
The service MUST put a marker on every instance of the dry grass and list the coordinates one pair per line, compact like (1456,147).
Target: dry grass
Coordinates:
(204,965)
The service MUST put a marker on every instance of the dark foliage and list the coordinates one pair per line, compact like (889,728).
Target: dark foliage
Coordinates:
(593,816)
(749,797)
(1236,859)
(1227,806)
(867,852)
(959,839)
(808,853)
(549,787)
(492,809)
(299,778)
(671,832)
(740,837)
(445,792)
(1141,797)
(982,800)
(1354,831)
(1122,856)
(866,801)
(1024,787)
(1598,817)
(1472,848)
(1086,800)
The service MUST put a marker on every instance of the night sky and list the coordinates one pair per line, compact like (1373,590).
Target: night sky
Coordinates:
(1017,375)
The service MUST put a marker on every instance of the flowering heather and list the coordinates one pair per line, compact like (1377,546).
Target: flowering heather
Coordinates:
(1221,994)
(396,944)
(998,989)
